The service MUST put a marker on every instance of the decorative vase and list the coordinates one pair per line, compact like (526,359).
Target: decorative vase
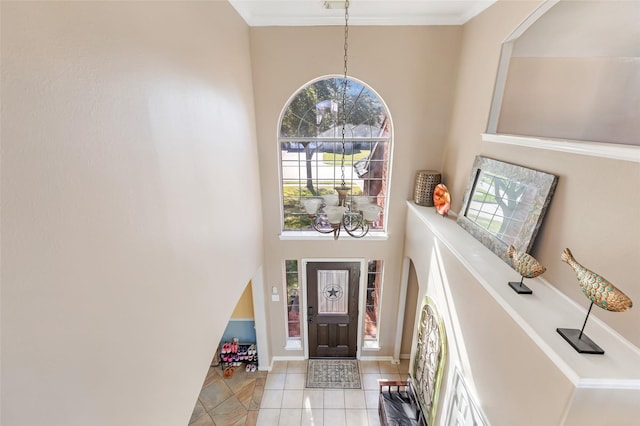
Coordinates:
(426,181)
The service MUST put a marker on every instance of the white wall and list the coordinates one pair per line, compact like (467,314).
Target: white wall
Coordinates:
(127,132)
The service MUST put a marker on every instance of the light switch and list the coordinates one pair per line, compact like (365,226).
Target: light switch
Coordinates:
(275,297)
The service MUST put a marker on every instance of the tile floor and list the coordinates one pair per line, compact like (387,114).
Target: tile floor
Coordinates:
(280,397)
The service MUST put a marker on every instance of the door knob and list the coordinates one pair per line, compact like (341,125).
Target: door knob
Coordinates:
(310,314)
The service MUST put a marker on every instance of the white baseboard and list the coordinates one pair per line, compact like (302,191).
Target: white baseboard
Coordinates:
(384,358)
(377,358)
(282,358)
(288,358)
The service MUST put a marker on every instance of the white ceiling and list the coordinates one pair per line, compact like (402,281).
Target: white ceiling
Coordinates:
(261,13)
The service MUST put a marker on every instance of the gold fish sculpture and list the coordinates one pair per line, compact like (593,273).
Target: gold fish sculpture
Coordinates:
(597,288)
(525,264)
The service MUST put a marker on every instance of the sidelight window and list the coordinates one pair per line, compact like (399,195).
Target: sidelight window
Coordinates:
(293,302)
(372,303)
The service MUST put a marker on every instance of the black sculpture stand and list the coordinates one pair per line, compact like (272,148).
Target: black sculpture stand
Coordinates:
(519,287)
(579,340)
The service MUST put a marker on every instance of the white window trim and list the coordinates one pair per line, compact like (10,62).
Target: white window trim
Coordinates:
(313,235)
(293,343)
(371,345)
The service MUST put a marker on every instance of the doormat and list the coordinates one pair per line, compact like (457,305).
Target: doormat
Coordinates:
(333,374)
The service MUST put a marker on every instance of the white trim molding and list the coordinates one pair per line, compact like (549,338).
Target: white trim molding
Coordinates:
(260,318)
(594,149)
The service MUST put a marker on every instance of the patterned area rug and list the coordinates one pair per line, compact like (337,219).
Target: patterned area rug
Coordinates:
(333,374)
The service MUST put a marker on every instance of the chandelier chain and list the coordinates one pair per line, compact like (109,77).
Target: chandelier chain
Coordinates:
(344,88)
(356,219)
(346,35)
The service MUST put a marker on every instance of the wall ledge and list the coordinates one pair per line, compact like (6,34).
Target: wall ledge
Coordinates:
(542,312)
(594,149)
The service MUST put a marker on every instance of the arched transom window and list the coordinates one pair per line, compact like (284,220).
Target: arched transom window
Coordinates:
(311,147)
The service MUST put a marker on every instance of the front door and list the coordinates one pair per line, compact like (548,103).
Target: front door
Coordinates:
(332,308)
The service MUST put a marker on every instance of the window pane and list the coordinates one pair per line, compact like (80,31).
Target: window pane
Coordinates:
(333,286)
(374,285)
(315,158)
(293,299)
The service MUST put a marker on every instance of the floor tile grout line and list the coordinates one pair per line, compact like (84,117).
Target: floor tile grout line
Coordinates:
(286,372)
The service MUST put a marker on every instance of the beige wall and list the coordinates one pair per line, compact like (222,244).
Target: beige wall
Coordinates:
(575,74)
(120,264)
(413,70)
(596,206)
(120,120)
(593,99)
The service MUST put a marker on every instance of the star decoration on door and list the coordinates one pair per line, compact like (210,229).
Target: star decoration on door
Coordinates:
(333,292)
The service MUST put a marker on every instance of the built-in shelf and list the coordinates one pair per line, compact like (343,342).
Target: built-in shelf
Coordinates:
(542,312)
(594,149)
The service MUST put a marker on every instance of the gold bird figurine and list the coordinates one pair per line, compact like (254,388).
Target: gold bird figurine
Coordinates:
(525,264)
(597,288)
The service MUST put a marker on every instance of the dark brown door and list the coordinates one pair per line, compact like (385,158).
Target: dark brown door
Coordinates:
(332,308)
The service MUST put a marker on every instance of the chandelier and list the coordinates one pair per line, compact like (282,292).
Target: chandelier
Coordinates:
(354,214)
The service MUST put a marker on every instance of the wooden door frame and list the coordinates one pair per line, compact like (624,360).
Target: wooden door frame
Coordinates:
(361,289)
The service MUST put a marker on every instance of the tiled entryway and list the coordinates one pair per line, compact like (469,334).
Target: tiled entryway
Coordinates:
(280,397)
(233,401)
